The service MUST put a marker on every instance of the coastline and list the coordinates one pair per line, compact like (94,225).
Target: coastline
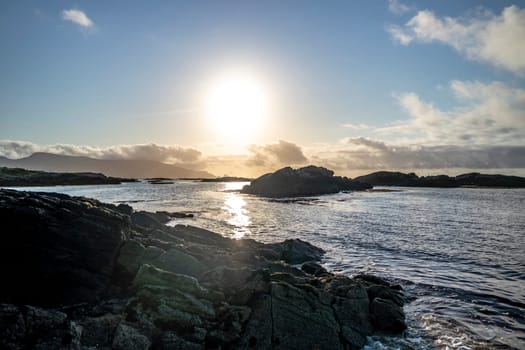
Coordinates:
(18,177)
(154,285)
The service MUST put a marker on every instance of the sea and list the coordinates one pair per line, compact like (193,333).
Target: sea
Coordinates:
(459,253)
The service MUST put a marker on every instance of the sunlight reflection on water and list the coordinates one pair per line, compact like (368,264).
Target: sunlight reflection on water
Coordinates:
(457,252)
(239,219)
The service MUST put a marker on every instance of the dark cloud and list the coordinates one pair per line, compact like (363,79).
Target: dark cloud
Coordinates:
(363,153)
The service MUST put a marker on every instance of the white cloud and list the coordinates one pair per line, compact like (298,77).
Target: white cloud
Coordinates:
(151,151)
(484,37)
(277,154)
(78,17)
(360,126)
(400,35)
(369,155)
(351,156)
(487,113)
(398,8)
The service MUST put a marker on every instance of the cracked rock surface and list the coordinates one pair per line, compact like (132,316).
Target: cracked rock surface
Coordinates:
(81,274)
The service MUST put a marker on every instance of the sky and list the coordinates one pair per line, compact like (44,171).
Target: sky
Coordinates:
(355,86)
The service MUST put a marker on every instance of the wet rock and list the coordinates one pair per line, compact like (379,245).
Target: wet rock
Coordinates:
(355,340)
(296,251)
(386,293)
(354,316)
(387,316)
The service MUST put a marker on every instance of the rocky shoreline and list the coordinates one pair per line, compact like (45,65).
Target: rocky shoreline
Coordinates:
(390,178)
(11,177)
(81,274)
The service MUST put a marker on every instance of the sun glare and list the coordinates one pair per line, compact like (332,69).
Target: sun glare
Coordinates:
(237,106)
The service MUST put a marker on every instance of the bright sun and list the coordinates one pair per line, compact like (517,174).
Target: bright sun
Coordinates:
(236,106)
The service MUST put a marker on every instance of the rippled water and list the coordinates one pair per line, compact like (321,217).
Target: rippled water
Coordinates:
(459,253)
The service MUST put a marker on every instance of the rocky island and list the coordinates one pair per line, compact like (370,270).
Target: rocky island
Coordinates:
(81,274)
(307,181)
(390,178)
(23,177)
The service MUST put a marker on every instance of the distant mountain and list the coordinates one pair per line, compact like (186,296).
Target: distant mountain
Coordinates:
(117,167)
(389,178)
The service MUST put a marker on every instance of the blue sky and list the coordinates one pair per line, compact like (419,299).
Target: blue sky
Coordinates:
(352,84)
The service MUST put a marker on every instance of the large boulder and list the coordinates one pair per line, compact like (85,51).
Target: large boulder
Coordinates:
(307,181)
(57,250)
(296,251)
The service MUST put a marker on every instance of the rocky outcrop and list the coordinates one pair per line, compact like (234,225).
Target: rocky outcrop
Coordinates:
(100,276)
(22,177)
(307,181)
(56,249)
(389,178)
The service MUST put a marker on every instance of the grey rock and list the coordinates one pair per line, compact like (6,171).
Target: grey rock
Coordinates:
(296,251)
(99,331)
(354,316)
(177,261)
(387,316)
(37,328)
(171,341)
(300,321)
(228,279)
(132,255)
(259,329)
(157,297)
(386,293)
(150,275)
(129,338)
(313,268)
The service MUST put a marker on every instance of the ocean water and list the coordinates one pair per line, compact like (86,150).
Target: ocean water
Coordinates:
(458,253)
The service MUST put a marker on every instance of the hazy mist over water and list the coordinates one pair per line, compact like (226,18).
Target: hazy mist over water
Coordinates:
(457,252)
